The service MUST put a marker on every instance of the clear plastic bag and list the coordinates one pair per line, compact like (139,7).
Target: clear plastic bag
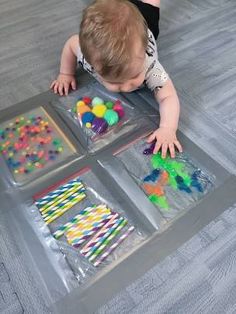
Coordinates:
(173,185)
(31,144)
(94,230)
(121,121)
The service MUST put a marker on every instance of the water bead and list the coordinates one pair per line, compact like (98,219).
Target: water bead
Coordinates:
(52,157)
(111,117)
(56,141)
(97,101)
(99,110)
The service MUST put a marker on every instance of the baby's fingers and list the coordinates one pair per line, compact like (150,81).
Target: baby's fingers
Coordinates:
(61,89)
(157,147)
(172,150)
(66,88)
(151,138)
(164,150)
(55,87)
(52,84)
(73,85)
(178,145)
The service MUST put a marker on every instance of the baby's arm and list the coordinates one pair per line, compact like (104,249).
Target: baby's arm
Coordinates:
(155,3)
(169,109)
(66,77)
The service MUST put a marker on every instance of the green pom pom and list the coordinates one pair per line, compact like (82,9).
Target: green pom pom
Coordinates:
(109,104)
(111,117)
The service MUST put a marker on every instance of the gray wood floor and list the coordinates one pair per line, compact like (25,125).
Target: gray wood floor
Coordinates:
(197,45)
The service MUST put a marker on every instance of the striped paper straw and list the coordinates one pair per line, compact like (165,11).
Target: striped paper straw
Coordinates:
(41,201)
(78,241)
(104,229)
(86,227)
(49,210)
(56,209)
(108,240)
(89,217)
(63,228)
(65,207)
(113,246)
(101,240)
(97,240)
(61,196)
(59,233)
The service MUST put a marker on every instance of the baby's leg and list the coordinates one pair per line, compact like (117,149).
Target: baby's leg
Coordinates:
(155,3)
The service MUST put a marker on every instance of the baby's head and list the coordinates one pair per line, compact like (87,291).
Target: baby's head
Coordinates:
(113,39)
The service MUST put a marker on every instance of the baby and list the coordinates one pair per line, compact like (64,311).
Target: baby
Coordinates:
(117,45)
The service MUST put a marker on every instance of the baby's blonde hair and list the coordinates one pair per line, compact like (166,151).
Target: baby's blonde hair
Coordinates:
(108,31)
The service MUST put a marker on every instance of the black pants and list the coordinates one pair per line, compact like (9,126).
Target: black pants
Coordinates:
(151,15)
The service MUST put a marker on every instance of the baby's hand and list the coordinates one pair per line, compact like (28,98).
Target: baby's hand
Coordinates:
(165,139)
(63,83)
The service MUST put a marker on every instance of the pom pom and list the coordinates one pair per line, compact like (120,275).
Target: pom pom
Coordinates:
(87,100)
(87,117)
(109,104)
(111,117)
(99,110)
(80,103)
(117,102)
(120,110)
(97,101)
(83,109)
(99,125)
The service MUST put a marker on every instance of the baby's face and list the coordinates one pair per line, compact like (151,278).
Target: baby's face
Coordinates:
(135,77)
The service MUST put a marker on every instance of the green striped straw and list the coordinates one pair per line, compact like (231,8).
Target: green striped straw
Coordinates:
(61,196)
(48,211)
(74,221)
(108,240)
(55,209)
(62,209)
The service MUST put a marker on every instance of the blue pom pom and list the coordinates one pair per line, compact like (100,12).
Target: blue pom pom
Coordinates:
(88,117)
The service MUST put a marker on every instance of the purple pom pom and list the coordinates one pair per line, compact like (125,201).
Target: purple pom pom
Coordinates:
(99,125)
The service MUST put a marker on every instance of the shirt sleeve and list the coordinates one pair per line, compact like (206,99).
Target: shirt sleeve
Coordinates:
(81,61)
(156,75)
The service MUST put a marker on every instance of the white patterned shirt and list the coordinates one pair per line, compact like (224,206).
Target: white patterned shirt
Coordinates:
(155,76)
